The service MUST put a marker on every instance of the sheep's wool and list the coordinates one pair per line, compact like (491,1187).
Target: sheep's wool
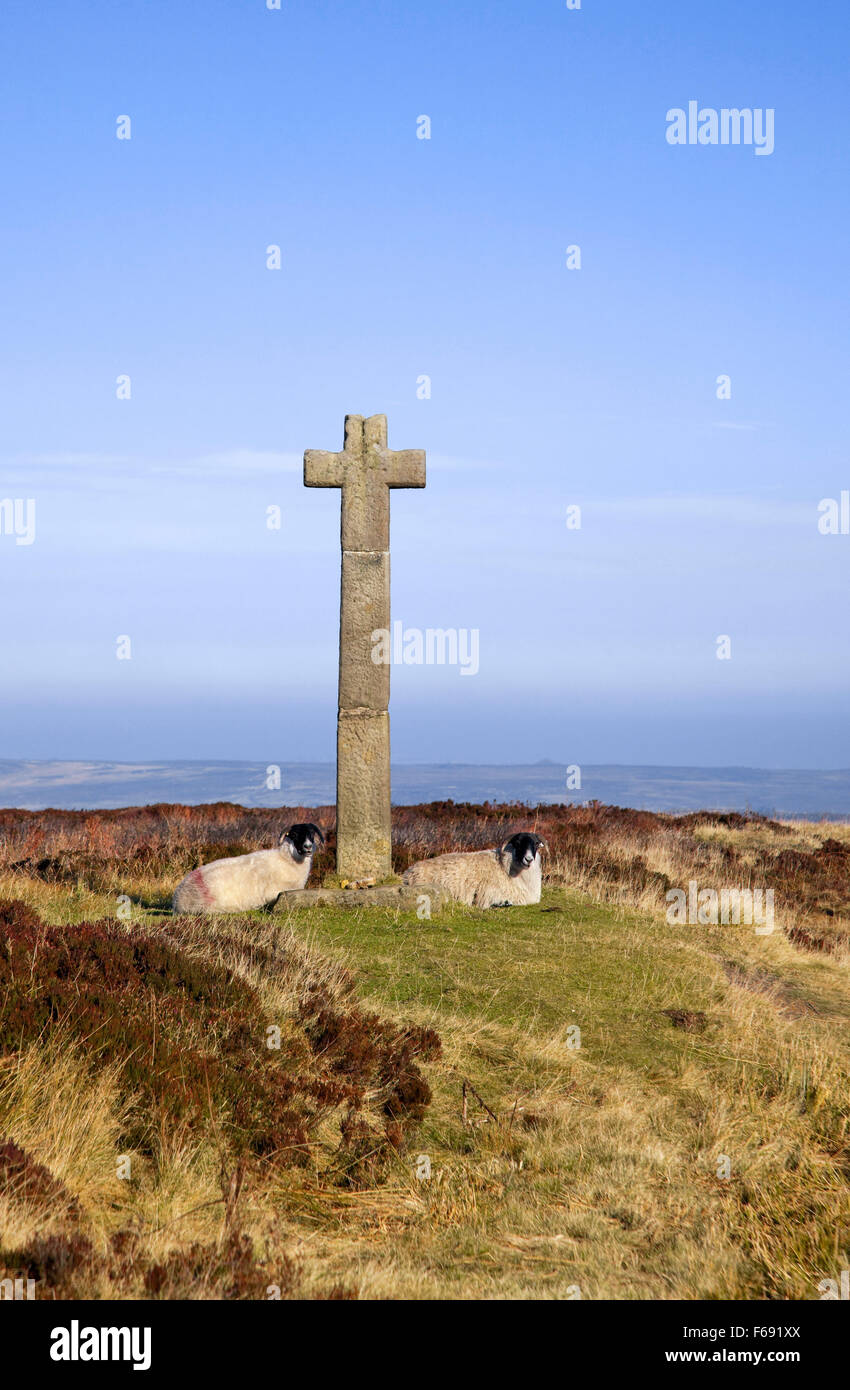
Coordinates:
(480,879)
(240,884)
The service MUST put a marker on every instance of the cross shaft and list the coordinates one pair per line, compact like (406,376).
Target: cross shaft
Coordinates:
(364,470)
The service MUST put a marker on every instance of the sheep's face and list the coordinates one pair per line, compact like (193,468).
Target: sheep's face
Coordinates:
(523,850)
(302,840)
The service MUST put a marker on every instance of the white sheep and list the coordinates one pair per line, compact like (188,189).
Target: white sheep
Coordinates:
(505,877)
(250,880)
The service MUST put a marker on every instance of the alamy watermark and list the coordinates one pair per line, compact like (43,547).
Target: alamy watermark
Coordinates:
(435,646)
(711,907)
(17,1289)
(707,126)
(836,1289)
(17,518)
(83,1343)
(834,515)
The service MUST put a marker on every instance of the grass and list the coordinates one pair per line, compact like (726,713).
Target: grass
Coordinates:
(602,1171)
(556,1170)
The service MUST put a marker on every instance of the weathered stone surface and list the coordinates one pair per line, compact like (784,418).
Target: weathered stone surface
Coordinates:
(364,606)
(387,895)
(363,794)
(365,470)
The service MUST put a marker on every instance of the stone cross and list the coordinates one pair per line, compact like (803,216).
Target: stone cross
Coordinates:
(365,470)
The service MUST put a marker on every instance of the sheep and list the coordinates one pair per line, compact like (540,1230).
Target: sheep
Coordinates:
(503,877)
(250,880)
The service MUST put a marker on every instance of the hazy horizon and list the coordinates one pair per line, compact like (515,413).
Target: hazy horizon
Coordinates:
(809,793)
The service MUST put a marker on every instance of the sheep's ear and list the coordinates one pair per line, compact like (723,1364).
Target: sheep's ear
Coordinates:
(286,839)
(318,832)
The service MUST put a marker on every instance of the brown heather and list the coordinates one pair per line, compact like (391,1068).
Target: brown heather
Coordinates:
(191,1038)
(185,1037)
(616,854)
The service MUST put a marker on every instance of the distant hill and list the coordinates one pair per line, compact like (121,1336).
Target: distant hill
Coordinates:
(811,794)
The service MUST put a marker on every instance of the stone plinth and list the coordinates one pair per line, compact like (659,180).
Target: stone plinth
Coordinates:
(387,895)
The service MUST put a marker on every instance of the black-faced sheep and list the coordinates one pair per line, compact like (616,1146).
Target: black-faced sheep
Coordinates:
(250,880)
(505,877)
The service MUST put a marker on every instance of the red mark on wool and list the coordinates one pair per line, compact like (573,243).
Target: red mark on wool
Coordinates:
(197,878)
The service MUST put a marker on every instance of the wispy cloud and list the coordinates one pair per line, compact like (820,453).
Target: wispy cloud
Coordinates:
(31,470)
(453,463)
(232,462)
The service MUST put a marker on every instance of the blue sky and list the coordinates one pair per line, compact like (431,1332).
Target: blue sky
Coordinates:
(445,257)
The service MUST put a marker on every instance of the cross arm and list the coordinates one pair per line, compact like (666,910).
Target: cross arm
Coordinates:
(322,469)
(406,468)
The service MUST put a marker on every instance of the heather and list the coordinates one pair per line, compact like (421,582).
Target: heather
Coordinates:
(281,1071)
